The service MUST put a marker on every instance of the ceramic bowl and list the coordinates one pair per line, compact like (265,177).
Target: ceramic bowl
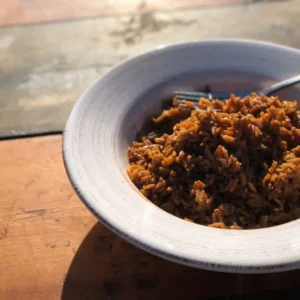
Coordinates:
(106,119)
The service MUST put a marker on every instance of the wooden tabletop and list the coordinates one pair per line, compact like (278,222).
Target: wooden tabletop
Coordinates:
(48,62)
(52,247)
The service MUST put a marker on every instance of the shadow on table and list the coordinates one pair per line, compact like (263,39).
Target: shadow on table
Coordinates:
(107,267)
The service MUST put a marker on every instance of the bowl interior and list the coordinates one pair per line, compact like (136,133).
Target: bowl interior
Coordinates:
(107,117)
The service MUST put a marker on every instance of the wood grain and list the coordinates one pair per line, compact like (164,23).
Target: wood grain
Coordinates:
(44,69)
(25,11)
(51,247)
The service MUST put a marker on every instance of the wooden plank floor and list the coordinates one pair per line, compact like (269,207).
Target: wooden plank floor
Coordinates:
(44,69)
(52,247)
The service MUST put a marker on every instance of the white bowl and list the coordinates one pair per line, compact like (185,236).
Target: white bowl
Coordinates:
(106,118)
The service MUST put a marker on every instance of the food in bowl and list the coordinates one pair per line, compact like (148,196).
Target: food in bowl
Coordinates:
(232,164)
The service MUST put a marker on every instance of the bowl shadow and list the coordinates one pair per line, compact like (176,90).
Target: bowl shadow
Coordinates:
(107,267)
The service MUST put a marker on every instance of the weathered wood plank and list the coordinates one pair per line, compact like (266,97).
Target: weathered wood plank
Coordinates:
(25,12)
(52,247)
(44,68)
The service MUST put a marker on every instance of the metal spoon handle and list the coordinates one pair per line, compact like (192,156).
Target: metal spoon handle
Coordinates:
(281,85)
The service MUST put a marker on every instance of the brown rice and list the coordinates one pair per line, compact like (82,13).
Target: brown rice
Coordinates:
(232,164)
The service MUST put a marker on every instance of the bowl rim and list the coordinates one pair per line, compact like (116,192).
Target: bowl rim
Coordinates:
(141,241)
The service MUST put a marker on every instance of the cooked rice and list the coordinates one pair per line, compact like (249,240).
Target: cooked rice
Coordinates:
(232,164)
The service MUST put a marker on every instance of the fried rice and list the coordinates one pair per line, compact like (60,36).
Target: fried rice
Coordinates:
(232,164)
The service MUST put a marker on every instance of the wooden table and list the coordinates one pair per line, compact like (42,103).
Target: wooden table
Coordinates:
(44,67)
(51,246)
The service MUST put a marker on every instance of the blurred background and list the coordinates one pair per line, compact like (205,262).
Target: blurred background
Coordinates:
(50,51)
